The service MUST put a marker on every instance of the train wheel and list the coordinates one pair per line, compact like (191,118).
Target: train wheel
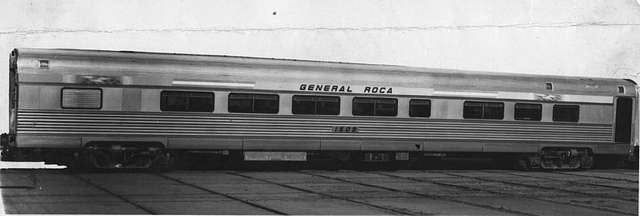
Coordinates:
(566,158)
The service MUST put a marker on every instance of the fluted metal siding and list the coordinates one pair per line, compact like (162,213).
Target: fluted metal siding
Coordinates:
(35,122)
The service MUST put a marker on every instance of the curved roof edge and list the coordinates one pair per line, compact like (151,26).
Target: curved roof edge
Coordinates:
(261,60)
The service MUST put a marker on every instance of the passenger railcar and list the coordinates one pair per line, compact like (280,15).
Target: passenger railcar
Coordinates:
(137,109)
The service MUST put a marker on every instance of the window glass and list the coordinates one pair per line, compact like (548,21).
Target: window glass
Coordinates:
(173,101)
(472,110)
(264,103)
(386,107)
(78,98)
(363,106)
(419,108)
(240,103)
(320,105)
(483,110)
(186,101)
(566,113)
(253,103)
(493,111)
(328,106)
(201,102)
(303,105)
(526,111)
(375,106)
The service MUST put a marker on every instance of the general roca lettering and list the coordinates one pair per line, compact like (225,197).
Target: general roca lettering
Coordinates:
(325,88)
(345,88)
(378,90)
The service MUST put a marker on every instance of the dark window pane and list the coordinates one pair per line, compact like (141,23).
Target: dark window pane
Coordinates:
(483,110)
(493,111)
(240,103)
(363,106)
(525,111)
(375,106)
(319,105)
(253,103)
(472,110)
(328,106)
(173,101)
(567,113)
(419,108)
(264,103)
(186,101)
(386,107)
(303,105)
(200,102)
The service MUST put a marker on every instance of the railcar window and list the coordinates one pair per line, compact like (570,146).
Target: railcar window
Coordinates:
(566,113)
(472,110)
(185,101)
(419,108)
(328,105)
(263,103)
(483,110)
(81,98)
(375,106)
(526,111)
(253,103)
(319,105)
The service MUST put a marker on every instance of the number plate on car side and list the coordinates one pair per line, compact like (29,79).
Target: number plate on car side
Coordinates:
(275,156)
(345,129)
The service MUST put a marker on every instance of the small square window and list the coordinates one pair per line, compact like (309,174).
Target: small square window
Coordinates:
(621,89)
(529,112)
(566,113)
(548,86)
(419,108)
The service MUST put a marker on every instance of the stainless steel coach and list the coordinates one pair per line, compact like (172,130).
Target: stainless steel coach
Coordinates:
(135,109)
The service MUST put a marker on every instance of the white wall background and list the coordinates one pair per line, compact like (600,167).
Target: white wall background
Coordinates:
(599,38)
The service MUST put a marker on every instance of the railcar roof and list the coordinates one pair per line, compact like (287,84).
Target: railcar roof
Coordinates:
(136,56)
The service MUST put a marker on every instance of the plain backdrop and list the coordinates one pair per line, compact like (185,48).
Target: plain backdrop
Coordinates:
(595,38)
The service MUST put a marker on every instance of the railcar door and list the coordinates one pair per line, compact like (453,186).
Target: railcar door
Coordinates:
(624,112)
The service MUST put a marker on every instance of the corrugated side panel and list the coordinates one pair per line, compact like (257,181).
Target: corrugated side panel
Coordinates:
(251,125)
